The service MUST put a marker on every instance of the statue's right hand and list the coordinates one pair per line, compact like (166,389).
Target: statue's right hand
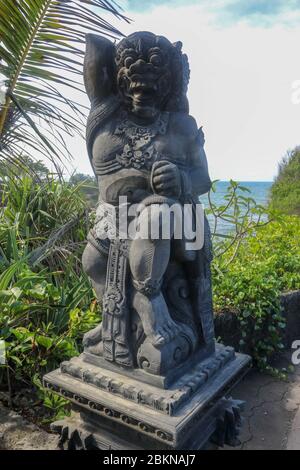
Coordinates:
(166,178)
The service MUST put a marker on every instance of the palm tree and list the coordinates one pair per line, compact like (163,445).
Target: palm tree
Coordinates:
(41,53)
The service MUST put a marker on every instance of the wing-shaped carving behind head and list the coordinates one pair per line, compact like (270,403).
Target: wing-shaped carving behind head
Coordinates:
(181,72)
(99,68)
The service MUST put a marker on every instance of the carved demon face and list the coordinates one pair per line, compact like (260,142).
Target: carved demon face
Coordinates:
(144,72)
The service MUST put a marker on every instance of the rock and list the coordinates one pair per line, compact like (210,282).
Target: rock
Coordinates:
(228,328)
(290,303)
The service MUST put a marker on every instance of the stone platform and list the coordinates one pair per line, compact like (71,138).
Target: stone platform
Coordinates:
(117,411)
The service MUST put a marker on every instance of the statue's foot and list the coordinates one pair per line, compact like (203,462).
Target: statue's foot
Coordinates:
(165,333)
(92,338)
(157,323)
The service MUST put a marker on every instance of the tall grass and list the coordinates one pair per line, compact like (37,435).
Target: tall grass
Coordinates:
(46,302)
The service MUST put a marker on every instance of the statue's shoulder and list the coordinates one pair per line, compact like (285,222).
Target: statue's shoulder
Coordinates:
(184,124)
(107,125)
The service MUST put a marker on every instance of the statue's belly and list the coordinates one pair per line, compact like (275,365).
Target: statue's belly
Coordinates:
(125,182)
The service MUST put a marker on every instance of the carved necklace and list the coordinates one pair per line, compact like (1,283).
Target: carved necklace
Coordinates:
(138,151)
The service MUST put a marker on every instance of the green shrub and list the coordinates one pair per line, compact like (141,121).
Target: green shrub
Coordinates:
(285,192)
(267,263)
(46,301)
(43,318)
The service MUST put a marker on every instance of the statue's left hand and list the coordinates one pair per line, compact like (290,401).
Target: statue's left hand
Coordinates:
(166,179)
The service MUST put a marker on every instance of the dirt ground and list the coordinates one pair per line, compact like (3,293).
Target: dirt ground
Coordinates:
(18,434)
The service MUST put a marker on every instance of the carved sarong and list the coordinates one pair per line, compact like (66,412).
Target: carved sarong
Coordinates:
(115,309)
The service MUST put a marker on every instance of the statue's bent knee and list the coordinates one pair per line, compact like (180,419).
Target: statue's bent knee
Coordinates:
(148,262)
(150,251)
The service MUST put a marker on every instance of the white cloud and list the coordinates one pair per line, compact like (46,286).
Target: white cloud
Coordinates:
(240,90)
(256,12)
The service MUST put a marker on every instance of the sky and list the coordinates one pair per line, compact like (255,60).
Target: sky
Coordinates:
(244,60)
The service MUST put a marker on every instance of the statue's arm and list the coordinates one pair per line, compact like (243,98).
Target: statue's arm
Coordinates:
(168,179)
(100,83)
(99,68)
(196,179)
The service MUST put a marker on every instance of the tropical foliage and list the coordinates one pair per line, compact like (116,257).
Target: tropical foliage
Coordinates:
(267,264)
(241,215)
(285,192)
(41,51)
(255,261)
(89,187)
(46,302)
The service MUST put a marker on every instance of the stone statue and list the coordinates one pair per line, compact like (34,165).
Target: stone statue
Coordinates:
(144,145)
(151,375)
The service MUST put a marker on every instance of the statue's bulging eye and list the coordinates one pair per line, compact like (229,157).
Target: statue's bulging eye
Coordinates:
(128,61)
(155,59)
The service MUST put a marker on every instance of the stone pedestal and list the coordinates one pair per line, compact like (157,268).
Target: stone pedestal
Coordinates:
(121,410)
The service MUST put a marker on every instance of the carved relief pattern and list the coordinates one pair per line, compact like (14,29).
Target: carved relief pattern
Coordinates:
(185,388)
(113,414)
(226,412)
(138,151)
(115,344)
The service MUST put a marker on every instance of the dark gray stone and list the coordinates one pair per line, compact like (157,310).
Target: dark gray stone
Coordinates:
(228,329)
(151,368)
(143,144)
(290,303)
(143,415)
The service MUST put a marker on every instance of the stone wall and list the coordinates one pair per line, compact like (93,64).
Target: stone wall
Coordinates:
(229,331)
(290,302)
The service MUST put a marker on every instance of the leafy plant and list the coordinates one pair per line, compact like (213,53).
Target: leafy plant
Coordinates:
(255,259)
(285,192)
(41,52)
(46,302)
(58,406)
(242,216)
(249,285)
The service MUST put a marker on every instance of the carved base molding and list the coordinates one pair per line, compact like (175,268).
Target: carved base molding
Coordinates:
(114,411)
(137,387)
(219,427)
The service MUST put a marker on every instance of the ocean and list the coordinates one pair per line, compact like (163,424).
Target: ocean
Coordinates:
(259,191)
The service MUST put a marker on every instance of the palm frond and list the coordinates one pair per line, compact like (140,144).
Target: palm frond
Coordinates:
(41,53)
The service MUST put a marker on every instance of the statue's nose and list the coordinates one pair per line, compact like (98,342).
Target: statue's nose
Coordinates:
(138,67)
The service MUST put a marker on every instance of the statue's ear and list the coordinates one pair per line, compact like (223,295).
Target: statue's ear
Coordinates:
(99,68)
